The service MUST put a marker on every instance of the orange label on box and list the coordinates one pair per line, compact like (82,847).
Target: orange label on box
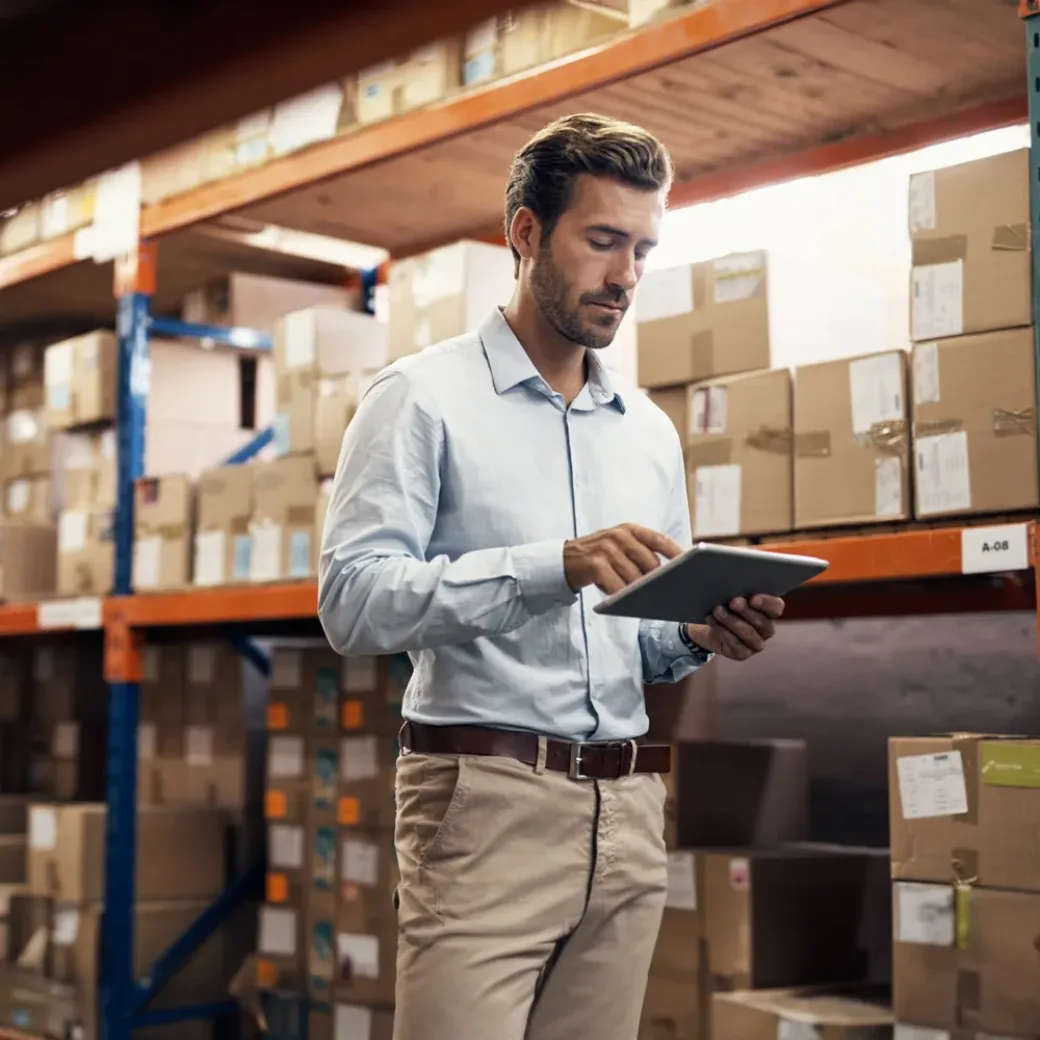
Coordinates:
(277,716)
(277,888)
(275,805)
(351,893)
(353,715)
(266,974)
(349,811)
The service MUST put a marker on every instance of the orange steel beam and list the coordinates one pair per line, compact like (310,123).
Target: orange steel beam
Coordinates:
(854,151)
(18,619)
(37,260)
(218,606)
(699,29)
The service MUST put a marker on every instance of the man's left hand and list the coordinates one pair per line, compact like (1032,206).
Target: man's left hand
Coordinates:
(741,630)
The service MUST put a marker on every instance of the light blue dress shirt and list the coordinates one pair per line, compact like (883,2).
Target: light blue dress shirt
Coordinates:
(460,478)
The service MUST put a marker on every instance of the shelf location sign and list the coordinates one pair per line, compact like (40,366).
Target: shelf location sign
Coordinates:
(84,612)
(991,550)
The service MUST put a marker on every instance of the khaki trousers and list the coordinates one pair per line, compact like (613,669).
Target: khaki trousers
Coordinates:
(529,903)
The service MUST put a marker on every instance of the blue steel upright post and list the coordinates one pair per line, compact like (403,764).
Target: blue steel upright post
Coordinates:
(1030,13)
(118,988)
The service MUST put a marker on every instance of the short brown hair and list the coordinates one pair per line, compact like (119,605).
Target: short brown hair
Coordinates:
(544,170)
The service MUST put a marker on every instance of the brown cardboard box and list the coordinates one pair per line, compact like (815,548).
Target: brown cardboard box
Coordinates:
(572,28)
(163,700)
(28,500)
(222,544)
(281,949)
(20,229)
(163,521)
(956,806)
(171,172)
(974,424)
(346,1021)
(285,495)
(851,449)
(395,87)
(445,293)
(365,961)
(738,454)
(68,210)
(26,390)
(966,958)
(501,46)
(80,377)
(27,444)
(86,552)
(28,562)
(180,852)
(969,233)
(672,1009)
(85,469)
(304,690)
(67,684)
(767,1014)
(367,765)
(677,953)
(324,357)
(763,790)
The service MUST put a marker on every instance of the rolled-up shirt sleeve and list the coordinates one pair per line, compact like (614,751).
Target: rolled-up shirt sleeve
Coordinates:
(377,591)
(666,658)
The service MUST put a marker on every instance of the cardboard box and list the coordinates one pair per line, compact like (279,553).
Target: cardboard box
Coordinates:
(29,500)
(367,765)
(26,389)
(324,359)
(27,445)
(738,444)
(86,552)
(677,953)
(80,377)
(956,806)
(172,171)
(969,234)
(974,424)
(502,46)
(776,1013)
(851,449)
(763,790)
(28,562)
(445,293)
(347,1021)
(180,852)
(395,87)
(68,210)
(965,958)
(222,543)
(163,522)
(21,229)
(749,311)
(305,691)
(672,1009)
(281,949)
(85,469)
(285,495)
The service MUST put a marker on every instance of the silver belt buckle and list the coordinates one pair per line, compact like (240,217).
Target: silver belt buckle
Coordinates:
(574,769)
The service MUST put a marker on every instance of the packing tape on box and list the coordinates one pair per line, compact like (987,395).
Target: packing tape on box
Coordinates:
(928,251)
(717,451)
(1012,238)
(814,444)
(167,532)
(776,440)
(300,516)
(937,427)
(1007,422)
(888,438)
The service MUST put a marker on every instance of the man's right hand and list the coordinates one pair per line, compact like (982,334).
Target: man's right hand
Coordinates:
(616,557)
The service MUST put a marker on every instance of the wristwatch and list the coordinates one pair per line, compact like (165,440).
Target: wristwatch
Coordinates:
(698,652)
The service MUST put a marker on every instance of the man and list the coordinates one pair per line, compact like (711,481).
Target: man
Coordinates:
(490,491)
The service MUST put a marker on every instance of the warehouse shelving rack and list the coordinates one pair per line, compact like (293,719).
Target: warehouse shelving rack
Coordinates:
(711,79)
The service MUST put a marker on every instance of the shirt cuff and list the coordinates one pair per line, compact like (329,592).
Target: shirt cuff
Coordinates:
(540,575)
(673,635)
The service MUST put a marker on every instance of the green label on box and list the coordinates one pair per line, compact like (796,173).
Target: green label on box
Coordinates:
(326,699)
(962,904)
(326,776)
(325,859)
(1004,763)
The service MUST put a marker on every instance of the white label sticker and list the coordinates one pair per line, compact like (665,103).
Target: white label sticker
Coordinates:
(146,742)
(202,664)
(84,612)
(72,531)
(359,758)
(306,119)
(65,740)
(989,550)
(665,294)
(360,674)
(926,373)
(277,931)
(286,669)
(937,301)
(797,1029)
(210,553)
(43,828)
(715,415)
(65,929)
(888,485)
(903,1032)
(19,493)
(360,861)
(739,277)
(943,477)
(922,202)
(199,740)
(932,785)
(698,414)
(147,561)
(876,391)
(925,914)
(353,1022)
(266,562)
(117,214)
(359,955)
(682,881)
(285,846)
(717,501)
(300,334)
(58,364)
(285,758)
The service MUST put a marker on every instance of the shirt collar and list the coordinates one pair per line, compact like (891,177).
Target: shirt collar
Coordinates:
(510,366)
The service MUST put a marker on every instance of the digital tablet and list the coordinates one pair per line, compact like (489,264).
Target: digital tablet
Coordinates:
(690,587)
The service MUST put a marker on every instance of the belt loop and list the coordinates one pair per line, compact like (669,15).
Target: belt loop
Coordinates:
(404,735)
(635,754)
(543,750)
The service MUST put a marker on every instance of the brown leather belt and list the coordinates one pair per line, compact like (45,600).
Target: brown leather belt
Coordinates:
(594,761)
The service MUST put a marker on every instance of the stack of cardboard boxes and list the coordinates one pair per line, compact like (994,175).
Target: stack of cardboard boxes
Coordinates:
(965,836)
(751,906)
(328,926)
